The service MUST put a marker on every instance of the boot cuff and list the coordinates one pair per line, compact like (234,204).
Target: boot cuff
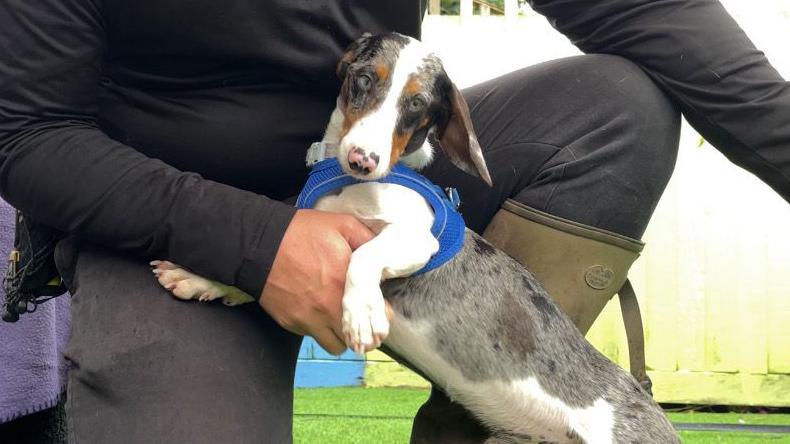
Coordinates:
(574,228)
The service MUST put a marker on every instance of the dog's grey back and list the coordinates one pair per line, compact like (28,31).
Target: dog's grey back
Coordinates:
(494,322)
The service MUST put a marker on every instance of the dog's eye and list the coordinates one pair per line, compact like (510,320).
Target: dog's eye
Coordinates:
(363,82)
(416,104)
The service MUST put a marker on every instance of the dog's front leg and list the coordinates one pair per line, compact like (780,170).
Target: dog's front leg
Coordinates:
(395,252)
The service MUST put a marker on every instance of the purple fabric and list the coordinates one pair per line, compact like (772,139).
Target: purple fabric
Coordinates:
(32,367)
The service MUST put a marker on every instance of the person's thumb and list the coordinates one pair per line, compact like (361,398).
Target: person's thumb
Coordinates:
(356,233)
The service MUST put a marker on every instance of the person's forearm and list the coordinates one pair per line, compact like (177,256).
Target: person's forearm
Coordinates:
(60,169)
(74,178)
(699,55)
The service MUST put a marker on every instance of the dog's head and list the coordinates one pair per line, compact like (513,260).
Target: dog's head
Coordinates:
(395,96)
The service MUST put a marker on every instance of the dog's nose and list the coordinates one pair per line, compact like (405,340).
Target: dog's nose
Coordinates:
(361,162)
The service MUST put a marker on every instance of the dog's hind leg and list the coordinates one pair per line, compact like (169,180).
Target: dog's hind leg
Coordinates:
(186,285)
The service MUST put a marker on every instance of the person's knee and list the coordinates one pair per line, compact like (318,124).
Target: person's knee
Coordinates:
(643,113)
(608,92)
(627,84)
(631,94)
(614,167)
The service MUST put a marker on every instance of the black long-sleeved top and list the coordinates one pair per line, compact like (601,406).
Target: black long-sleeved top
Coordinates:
(159,126)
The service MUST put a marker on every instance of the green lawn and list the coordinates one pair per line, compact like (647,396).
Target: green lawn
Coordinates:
(359,415)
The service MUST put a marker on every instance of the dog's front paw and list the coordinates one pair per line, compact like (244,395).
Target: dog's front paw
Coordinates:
(184,284)
(365,324)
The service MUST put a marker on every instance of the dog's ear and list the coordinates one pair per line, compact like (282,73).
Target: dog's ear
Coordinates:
(350,54)
(457,138)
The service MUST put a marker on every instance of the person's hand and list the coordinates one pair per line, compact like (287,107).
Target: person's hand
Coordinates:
(305,285)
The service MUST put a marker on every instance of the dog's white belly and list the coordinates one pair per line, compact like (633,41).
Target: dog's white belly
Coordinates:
(519,406)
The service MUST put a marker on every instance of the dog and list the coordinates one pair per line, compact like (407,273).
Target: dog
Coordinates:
(480,326)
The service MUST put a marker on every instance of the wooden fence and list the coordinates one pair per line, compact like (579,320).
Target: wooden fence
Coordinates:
(509,9)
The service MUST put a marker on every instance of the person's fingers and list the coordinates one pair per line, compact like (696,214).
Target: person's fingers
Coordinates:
(329,340)
(356,233)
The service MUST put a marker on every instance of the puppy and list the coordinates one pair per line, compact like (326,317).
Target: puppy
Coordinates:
(480,326)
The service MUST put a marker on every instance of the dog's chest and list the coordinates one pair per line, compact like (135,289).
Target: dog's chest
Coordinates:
(380,204)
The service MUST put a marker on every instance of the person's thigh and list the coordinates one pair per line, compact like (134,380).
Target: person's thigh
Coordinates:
(150,368)
(588,138)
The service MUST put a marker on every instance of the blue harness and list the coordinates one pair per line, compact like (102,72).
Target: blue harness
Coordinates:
(448,225)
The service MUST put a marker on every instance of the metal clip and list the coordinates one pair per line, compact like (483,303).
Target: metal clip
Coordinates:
(453,197)
(13,260)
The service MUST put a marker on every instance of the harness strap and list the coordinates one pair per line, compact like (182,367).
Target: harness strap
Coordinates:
(448,225)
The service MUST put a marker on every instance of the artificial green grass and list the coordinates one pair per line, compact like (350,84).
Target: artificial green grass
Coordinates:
(732,418)
(384,415)
(355,415)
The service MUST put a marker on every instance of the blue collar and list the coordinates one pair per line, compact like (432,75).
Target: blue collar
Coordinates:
(448,225)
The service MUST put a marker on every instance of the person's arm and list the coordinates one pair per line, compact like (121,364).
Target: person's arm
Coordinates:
(61,170)
(699,55)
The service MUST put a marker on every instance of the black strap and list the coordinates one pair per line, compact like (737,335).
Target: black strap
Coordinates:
(32,277)
(632,318)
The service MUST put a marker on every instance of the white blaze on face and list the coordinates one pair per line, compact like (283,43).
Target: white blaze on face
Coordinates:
(374,131)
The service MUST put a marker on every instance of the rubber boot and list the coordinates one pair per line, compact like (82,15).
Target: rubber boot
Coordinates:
(581,267)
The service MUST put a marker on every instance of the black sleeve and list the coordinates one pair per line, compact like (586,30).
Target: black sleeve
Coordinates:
(698,54)
(61,170)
